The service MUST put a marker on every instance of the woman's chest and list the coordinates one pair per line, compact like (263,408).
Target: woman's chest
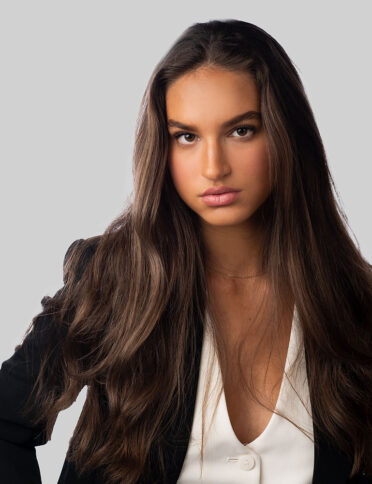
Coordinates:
(252,368)
(247,416)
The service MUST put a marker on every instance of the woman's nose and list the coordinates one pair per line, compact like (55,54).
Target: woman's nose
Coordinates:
(214,160)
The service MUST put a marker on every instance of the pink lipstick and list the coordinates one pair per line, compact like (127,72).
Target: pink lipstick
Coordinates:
(219,196)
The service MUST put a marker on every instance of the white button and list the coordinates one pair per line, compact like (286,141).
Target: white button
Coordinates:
(247,462)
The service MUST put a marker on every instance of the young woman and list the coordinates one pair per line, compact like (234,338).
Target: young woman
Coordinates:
(222,323)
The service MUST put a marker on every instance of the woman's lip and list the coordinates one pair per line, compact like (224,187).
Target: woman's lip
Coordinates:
(219,190)
(221,199)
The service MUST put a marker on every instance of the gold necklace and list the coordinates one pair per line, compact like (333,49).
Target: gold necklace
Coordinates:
(238,277)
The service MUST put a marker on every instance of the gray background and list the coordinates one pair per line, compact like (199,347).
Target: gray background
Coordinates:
(72,76)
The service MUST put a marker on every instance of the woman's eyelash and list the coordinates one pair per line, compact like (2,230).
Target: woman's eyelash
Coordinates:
(251,128)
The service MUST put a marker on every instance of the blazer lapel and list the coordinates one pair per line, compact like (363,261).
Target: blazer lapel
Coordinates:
(177,438)
(330,466)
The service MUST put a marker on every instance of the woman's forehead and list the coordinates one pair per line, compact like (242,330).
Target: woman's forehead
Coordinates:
(214,95)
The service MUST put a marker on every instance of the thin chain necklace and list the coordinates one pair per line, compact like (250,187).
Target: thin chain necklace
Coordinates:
(238,277)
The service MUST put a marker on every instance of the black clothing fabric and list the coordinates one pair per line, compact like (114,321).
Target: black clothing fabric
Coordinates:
(18,438)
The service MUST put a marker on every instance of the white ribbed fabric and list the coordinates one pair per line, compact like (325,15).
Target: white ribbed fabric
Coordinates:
(280,454)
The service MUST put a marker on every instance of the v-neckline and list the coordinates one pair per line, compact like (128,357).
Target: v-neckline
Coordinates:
(222,400)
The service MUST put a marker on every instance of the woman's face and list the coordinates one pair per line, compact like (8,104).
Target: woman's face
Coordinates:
(209,151)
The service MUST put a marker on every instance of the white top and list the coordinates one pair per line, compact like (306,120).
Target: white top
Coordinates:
(281,453)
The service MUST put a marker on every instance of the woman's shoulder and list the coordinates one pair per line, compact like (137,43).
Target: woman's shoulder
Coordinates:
(79,253)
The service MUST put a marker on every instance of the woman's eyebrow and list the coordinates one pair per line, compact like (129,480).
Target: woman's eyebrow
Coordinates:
(226,124)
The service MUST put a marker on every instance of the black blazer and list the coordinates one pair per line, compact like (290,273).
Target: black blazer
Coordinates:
(18,438)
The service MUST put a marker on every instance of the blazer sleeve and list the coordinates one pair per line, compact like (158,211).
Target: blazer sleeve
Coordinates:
(18,437)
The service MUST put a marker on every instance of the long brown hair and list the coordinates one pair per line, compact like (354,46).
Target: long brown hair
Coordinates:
(124,323)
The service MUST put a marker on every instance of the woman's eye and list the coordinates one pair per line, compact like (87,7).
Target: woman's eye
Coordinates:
(178,135)
(244,128)
(252,129)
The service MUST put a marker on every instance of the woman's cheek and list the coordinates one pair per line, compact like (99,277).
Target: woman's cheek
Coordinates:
(256,167)
(182,174)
